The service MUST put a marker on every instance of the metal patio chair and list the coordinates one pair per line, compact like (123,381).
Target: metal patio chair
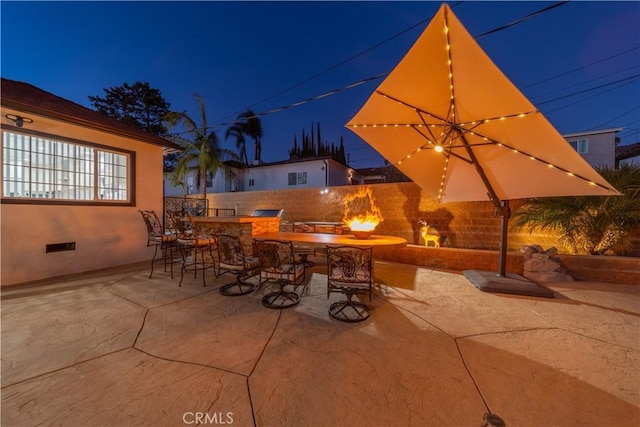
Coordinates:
(164,241)
(278,264)
(232,259)
(350,272)
(193,246)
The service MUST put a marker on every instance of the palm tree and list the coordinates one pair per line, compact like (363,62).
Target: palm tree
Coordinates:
(589,224)
(203,152)
(237,131)
(252,127)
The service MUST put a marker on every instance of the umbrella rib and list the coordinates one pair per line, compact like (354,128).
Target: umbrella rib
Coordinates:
(477,123)
(424,136)
(447,154)
(416,109)
(492,194)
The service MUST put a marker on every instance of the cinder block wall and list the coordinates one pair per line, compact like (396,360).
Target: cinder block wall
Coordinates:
(470,225)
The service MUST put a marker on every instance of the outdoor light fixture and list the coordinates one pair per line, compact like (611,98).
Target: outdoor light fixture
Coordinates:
(18,120)
(439,148)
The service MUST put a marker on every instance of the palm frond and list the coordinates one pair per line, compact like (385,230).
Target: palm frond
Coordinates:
(589,224)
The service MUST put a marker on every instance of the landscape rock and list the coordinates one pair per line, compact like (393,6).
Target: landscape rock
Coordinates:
(544,266)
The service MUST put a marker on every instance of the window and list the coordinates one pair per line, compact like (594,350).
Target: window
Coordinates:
(297,178)
(37,167)
(580,145)
(251,182)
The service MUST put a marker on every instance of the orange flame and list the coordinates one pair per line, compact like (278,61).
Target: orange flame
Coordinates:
(360,212)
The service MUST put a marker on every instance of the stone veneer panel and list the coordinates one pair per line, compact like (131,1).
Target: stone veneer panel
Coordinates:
(245,230)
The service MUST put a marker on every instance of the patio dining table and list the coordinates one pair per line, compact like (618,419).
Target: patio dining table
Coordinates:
(334,239)
(339,240)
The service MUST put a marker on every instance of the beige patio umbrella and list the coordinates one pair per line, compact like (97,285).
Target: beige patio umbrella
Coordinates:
(451,121)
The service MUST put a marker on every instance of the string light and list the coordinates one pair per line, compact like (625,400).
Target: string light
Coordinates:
(444,175)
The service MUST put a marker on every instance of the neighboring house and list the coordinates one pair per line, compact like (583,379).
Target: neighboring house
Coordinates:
(372,175)
(597,147)
(302,173)
(628,154)
(289,174)
(73,181)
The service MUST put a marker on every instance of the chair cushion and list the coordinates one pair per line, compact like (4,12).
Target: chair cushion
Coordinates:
(164,238)
(251,263)
(338,275)
(289,272)
(232,267)
(352,285)
(197,240)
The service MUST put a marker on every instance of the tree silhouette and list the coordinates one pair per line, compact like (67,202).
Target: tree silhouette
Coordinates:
(138,105)
(313,146)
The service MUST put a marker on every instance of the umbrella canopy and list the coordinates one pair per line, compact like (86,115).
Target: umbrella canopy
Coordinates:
(451,121)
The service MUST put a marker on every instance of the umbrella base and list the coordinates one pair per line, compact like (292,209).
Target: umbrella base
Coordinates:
(490,281)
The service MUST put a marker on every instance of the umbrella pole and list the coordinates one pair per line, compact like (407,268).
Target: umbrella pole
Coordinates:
(505,214)
(489,281)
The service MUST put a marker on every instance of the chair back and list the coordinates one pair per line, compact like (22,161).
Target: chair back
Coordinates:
(178,225)
(194,228)
(350,265)
(154,228)
(230,252)
(276,256)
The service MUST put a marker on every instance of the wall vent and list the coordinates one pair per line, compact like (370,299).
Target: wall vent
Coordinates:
(60,247)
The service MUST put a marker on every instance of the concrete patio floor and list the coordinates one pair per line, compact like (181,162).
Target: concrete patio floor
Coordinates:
(116,348)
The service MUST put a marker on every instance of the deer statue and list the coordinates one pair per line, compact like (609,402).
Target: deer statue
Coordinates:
(429,234)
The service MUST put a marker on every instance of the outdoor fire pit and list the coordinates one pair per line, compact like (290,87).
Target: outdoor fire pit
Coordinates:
(361,214)
(362,234)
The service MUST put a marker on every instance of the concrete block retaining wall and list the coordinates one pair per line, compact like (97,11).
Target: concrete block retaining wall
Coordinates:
(613,269)
(470,225)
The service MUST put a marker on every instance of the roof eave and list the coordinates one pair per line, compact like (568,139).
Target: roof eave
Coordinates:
(140,136)
(593,132)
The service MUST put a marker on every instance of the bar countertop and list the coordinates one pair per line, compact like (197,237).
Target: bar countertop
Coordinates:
(234,219)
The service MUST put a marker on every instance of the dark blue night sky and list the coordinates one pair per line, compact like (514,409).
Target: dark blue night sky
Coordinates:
(578,63)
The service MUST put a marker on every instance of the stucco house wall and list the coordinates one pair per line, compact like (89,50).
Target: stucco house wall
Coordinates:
(601,150)
(104,235)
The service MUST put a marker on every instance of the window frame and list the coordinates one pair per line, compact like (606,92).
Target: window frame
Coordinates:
(130,176)
(581,145)
(299,177)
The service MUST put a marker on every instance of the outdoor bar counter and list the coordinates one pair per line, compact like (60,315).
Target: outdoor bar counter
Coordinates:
(245,226)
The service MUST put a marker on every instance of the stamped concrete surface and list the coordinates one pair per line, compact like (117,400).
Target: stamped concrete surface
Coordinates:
(117,348)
